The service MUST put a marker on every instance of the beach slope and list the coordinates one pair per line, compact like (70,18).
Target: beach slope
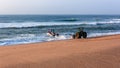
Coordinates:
(102,52)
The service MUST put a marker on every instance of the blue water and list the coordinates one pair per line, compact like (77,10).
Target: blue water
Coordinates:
(20,29)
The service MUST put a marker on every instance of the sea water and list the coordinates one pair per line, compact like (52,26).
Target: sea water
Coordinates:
(21,29)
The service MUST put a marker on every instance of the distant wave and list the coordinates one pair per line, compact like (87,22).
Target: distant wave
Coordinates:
(113,21)
(38,24)
(67,20)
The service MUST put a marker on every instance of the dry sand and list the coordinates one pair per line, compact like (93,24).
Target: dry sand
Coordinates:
(102,52)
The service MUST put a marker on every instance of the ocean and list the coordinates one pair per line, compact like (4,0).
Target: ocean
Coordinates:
(22,29)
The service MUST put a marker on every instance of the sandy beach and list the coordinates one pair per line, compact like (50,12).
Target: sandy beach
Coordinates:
(101,52)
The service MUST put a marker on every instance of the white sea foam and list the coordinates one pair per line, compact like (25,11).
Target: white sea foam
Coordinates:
(116,19)
(102,34)
(20,39)
(62,37)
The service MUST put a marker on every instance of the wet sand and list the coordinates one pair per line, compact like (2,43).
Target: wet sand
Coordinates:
(101,52)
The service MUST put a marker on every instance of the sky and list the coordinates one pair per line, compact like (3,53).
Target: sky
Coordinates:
(60,7)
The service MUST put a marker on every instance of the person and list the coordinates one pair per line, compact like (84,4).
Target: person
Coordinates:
(52,33)
(80,34)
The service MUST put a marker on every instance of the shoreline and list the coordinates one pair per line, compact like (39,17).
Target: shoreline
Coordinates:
(60,40)
(98,52)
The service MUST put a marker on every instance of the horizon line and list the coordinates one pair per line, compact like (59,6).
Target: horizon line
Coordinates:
(59,14)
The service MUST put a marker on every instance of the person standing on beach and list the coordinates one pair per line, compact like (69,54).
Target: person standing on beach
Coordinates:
(80,34)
